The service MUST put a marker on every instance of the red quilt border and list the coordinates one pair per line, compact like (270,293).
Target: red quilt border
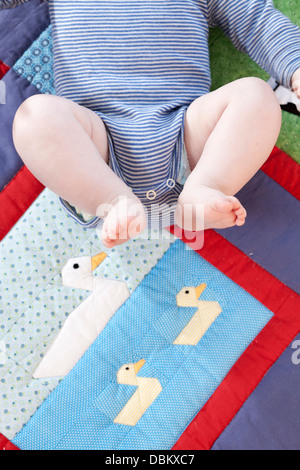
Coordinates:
(284,170)
(5,444)
(3,69)
(16,198)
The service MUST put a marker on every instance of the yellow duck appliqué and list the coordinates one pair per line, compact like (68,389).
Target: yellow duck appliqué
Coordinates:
(206,314)
(147,391)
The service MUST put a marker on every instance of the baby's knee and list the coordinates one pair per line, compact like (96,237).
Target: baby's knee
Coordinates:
(32,115)
(261,95)
(39,115)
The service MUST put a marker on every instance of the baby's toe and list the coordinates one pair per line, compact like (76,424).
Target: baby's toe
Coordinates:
(241,213)
(106,240)
(236,205)
(240,222)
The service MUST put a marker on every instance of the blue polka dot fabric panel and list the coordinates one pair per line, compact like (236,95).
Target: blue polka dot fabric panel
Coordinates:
(34,304)
(98,406)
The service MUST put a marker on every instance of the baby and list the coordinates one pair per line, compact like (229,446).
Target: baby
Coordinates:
(134,125)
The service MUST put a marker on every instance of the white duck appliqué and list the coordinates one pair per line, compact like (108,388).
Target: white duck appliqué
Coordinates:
(86,322)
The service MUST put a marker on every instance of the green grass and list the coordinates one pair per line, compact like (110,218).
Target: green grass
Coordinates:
(228,64)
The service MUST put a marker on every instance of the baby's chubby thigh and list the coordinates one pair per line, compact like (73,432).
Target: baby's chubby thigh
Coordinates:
(65,146)
(253,105)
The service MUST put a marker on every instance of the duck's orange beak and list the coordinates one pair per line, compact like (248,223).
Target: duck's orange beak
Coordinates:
(200,289)
(139,365)
(96,260)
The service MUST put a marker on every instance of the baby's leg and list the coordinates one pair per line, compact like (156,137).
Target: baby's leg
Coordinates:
(229,134)
(65,146)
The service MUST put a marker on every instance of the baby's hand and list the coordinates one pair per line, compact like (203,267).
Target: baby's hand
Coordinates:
(296,83)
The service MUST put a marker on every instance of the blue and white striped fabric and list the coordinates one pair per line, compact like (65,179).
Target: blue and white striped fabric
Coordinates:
(140,63)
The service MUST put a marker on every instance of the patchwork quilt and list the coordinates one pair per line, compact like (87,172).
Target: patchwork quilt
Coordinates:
(166,342)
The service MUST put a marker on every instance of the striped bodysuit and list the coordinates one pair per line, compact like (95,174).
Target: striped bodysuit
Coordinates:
(140,63)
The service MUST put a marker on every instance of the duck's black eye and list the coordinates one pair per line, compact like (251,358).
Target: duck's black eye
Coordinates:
(127,368)
(187,292)
(76,266)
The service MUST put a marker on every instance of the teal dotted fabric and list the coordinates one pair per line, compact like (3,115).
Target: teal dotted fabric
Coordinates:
(35,304)
(36,64)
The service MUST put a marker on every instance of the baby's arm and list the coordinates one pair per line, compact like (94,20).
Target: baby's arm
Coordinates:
(264,33)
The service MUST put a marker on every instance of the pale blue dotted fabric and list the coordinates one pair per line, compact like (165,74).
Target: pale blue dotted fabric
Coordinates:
(79,413)
(34,304)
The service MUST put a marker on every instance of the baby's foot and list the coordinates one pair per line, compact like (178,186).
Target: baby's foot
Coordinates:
(125,219)
(207,208)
